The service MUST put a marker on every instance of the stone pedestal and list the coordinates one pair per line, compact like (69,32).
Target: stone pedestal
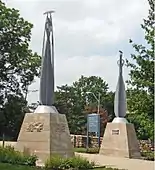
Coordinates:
(45,134)
(120,140)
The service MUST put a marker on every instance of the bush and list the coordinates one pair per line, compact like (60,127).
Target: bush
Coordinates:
(80,163)
(59,163)
(9,155)
(55,162)
(148,155)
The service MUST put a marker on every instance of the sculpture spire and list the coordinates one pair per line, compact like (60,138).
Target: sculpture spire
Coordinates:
(120,94)
(120,63)
(47,68)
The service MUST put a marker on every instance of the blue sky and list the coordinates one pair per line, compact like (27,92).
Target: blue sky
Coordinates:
(88,35)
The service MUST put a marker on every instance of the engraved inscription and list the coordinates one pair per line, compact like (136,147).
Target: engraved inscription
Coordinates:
(115,132)
(35,127)
(60,128)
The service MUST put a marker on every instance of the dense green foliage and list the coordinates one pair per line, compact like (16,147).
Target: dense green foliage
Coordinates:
(71,100)
(11,116)
(18,68)
(59,163)
(148,155)
(141,83)
(9,155)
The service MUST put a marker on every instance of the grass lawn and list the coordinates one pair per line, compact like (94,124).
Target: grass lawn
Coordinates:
(82,150)
(4,166)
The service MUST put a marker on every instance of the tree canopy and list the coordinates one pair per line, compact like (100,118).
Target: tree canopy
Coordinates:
(141,82)
(18,64)
(71,100)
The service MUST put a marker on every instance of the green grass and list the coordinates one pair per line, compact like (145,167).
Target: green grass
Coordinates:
(81,150)
(4,166)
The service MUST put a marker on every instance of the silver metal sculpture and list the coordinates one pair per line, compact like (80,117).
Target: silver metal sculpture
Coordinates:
(47,69)
(120,95)
(46,97)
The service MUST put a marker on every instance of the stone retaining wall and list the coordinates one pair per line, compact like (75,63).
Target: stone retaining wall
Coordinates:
(80,141)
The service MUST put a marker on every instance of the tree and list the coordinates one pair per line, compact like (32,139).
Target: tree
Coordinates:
(71,100)
(141,83)
(13,114)
(18,65)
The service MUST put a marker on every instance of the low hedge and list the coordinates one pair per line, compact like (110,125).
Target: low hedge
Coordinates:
(9,155)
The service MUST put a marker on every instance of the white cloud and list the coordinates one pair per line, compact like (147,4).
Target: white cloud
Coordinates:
(88,35)
(93,65)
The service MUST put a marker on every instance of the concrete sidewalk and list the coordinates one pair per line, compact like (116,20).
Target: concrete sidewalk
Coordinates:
(121,163)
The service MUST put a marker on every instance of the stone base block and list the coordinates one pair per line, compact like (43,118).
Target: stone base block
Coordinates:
(45,134)
(120,140)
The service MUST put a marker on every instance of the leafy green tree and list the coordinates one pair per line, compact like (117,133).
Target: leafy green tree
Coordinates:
(13,114)
(18,64)
(71,100)
(141,83)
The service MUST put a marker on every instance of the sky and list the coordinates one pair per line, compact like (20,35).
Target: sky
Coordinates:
(88,35)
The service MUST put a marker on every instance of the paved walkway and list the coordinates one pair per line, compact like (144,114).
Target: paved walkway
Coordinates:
(121,163)
(115,162)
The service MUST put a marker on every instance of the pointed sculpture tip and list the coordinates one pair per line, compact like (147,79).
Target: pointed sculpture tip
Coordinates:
(120,62)
(49,12)
(120,52)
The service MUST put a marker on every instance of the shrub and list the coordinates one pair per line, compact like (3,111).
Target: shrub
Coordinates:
(57,163)
(54,162)
(9,155)
(80,163)
(148,155)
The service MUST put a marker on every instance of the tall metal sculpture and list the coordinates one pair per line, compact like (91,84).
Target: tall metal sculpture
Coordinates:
(54,136)
(47,70)
(122,141)
(120,95)
(46,97)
